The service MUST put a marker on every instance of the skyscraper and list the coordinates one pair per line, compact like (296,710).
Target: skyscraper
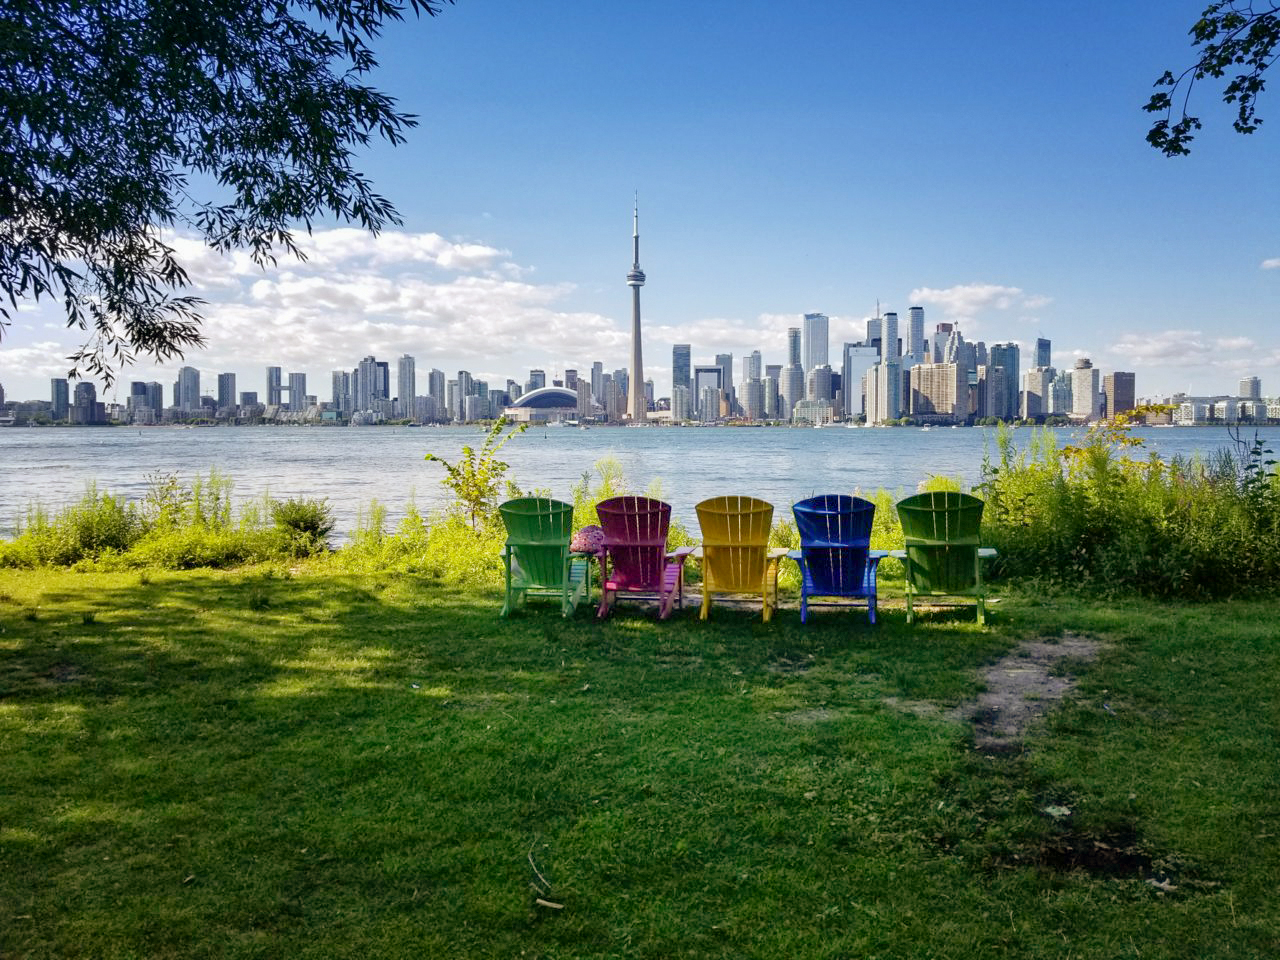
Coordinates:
(188,398)
(815,340)
(406,384)
(635,280)
(226,390)
(793,346)
(915,336)
(297,391)
(857,360)
(681,355)
(60,394)
(1005,355)
(364,384)
(1118,388)
(1251,388)
(1085,398)
(1042,353)
(273,386)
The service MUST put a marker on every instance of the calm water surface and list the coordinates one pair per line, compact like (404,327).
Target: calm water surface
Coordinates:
(352,466)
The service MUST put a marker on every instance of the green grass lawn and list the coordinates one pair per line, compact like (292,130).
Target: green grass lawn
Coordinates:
(253,763)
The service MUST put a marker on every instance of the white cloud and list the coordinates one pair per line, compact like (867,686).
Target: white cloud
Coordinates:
(1272,263)
(966,301)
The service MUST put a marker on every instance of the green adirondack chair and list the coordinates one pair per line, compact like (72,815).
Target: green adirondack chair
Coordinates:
(943,557)
(537,558)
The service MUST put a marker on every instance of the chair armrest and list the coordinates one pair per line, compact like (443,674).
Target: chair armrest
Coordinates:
(777,553)
(697,552)
(898,554)
(796,555)
(988,553)
(680,554)
(874,557)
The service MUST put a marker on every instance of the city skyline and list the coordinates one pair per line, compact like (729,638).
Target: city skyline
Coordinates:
(1018,202)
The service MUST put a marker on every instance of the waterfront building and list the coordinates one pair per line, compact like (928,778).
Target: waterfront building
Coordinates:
(793,347)
(1006,357)
(753,400)
(771,398)
(274,386)
(583,393)
(537,380)
(635,280)
(753,366)
(680,404)
(884,392)
(571,380)
(792,389)
(60,395)
(155,399)
(453,400)
(890,345)
(915,336)
(248,398)
(1086,399)
(597,382)
(226,391)
(1035,401)
(475,407)
(725,362)
(939,392)
(1118,389)
(406,384)
(341,401)
(818,384)
(941,334)
(84,404)
(514,390)
(1251,388)
(435,390)
(1042,353)
(816,340)
(297,392)
(857,359)
(1060,395)
(366,387)
(681,357)
(188,390)
(817,412)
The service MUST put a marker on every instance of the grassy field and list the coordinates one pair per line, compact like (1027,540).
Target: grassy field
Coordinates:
(262,763)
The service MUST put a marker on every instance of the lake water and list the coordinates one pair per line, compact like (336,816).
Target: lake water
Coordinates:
(352,466)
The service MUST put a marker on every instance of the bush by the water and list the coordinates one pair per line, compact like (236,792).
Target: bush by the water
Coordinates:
(175,526)
(1097,517)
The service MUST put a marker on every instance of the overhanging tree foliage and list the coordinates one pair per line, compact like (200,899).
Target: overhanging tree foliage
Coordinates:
(234,118)
(1234,36)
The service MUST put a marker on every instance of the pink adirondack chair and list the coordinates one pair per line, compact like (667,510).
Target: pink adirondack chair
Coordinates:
(635,558)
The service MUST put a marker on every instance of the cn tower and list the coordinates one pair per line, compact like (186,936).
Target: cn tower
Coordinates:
(637,407)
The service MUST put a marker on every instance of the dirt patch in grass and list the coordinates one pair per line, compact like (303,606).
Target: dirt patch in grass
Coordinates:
(1021,687)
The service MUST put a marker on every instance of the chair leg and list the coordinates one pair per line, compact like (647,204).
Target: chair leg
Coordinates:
(982,612)
(910,612)
(871,607)
(706,601)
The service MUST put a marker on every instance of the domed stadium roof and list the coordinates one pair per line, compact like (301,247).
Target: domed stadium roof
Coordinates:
(548,398)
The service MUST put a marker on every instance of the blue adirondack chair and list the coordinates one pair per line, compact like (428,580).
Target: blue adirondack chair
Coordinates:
(835,555)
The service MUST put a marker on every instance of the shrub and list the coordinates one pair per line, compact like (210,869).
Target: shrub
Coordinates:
(305,525)
(1095,517)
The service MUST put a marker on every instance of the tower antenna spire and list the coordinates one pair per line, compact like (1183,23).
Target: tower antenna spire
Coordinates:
(637,405)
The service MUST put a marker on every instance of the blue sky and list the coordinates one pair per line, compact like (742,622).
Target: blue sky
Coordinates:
(986,162)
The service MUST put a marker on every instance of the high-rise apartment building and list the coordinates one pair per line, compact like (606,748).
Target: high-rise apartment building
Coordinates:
(406,384)
(274,386)
(1251,388)
(364,385)
(915,335)
(297,391)
(793,346)
(1042,353)
(815,340)
(681,360)
(537,380)
(1005,356)
(435,389)
(857,359)
(342,401)
(188,398)
(60,396)
(1118,389)
(84,404)
(1086,400)
(939,391)
(226,391)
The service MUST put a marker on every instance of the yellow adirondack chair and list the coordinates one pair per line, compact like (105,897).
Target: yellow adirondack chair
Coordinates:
(735,552)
